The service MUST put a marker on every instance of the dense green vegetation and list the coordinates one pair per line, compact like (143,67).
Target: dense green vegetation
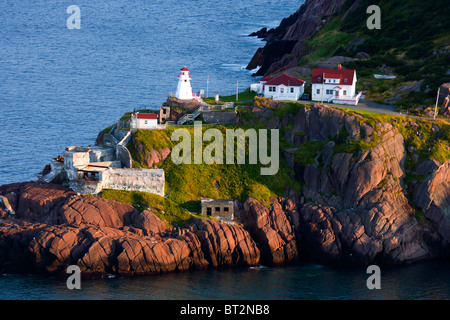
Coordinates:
(413,44)
(164,208)
(187,184)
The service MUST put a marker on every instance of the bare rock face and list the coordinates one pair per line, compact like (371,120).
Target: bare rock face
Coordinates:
(95,211)
(38,200)
(272,230)
(54,228)
(153,157)
(288,39)
(433,197)
(225,245)
(149,222)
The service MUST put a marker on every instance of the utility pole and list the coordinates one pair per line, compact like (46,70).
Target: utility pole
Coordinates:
(207,87)
(323,85)
(435,108)
(237,91)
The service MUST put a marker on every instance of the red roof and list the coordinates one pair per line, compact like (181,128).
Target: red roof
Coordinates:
(286,80)
(266,78)
(149,116)
(184,69)
(340,74)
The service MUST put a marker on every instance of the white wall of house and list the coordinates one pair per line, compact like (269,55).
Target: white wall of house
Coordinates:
(258,87)
(329,91)
(144,123)
(282,92)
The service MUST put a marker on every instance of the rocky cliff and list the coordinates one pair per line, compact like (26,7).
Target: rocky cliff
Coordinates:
(286,43)
(53,228)
(361,202)
(356,205)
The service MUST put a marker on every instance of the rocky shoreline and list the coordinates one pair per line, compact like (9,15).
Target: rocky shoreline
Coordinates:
(353,209)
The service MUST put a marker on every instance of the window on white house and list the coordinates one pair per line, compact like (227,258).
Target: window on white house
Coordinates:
(318,91)
(345,92)
(345,80)
(145,121)
(281,90)
(319,79)
(292,90)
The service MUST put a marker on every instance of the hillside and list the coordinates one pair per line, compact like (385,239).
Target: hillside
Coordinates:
(352,188)
(335,164)
(413,44)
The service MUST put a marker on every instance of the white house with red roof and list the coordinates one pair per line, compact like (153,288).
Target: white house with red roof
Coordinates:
(144,121)
(283,87)
(335,85)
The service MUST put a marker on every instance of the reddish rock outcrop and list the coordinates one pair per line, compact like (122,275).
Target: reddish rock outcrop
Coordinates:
(153,157)
(272,230)
(55,228)
(433,197)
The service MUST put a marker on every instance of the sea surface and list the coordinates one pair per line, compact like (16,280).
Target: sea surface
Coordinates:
(430,281)
(60,87)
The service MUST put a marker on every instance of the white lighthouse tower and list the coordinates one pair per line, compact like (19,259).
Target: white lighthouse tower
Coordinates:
(184,89)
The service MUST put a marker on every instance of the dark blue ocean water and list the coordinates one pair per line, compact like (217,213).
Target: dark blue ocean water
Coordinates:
(304,282)
(60,87)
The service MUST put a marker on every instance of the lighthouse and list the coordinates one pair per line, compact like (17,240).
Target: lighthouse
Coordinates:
(184,89)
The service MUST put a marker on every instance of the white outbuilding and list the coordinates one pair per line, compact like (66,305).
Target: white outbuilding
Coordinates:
(144,121)
(283,87)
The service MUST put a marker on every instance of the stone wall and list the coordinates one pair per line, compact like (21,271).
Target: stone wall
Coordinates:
(147,180)
(219,117)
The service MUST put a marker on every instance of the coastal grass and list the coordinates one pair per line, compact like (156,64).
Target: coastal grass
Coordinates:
(164,208)
(189,183)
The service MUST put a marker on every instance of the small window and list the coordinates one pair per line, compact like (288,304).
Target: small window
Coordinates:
(164,111)
(208,211)
(345,80)
(226,209)
(318,91)
(217,209)
(345,92)
(281,90)
(319,79)
(146,122)
(292,90)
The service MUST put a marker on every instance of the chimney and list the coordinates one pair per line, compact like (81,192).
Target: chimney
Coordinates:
(339,66)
